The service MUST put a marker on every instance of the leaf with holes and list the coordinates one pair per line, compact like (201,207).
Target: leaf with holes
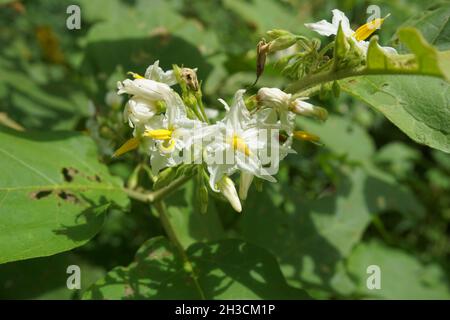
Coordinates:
(53,193)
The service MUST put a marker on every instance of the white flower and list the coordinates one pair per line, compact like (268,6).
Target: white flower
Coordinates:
(326,28)
(154,72)
(236,144)
(170,135)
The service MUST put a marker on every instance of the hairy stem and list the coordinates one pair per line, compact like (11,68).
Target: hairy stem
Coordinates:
(329,76)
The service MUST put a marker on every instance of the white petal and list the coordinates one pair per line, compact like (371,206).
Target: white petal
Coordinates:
(340,17)
(323,28)
(244,184)
(154,72)
(389,50)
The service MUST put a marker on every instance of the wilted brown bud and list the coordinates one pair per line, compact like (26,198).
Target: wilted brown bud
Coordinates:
(261,54)
(190,78)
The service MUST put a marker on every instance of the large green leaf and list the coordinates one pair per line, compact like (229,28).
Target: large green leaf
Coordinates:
(229,269)
(50,273)
(434,25)
(417,105)
(311,239)
(341,136)
(53,193)
(189,223)
(402,275)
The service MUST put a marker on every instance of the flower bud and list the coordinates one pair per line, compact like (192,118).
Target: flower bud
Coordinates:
(277,33)
(304,108)
(203,197)
(273,97)
(281,43)
(226,187)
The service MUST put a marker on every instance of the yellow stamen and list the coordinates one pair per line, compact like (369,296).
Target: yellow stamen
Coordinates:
(159,134)
(135,75)
(131,144)
(306,136)
(240,145)
(363,32)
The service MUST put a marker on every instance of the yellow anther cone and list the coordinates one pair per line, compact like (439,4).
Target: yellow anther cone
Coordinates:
(363,32)
(306,136)
(131,144)
(159,134)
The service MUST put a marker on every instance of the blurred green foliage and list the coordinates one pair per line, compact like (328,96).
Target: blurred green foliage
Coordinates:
(369,195)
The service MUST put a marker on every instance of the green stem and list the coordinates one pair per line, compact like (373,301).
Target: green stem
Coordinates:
(324,77)
(171,234)
(319,78)
(159,194)
(202,109)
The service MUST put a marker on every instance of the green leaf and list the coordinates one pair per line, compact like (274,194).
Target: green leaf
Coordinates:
(310,238)
(50,273)
(402,275)
(54,105)
(53,193)
(228,269)
(265,14)
(417,105)
(342,136)
(426,60)
(434,25)
(187,220)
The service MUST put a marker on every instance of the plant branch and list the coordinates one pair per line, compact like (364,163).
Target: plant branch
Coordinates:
(171,234)
(157,195)
(329,76)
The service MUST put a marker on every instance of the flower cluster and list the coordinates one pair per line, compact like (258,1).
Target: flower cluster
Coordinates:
(240,142)
(256,132)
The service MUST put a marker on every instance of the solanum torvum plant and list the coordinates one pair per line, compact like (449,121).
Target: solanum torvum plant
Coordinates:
(257,131)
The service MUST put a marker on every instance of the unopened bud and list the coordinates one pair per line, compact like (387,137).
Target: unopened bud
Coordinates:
(273,97)
(336,89)
(190,100)
(203,197)
(277,33)
(281,43)
(164,178)
(227,188)
(304,108)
